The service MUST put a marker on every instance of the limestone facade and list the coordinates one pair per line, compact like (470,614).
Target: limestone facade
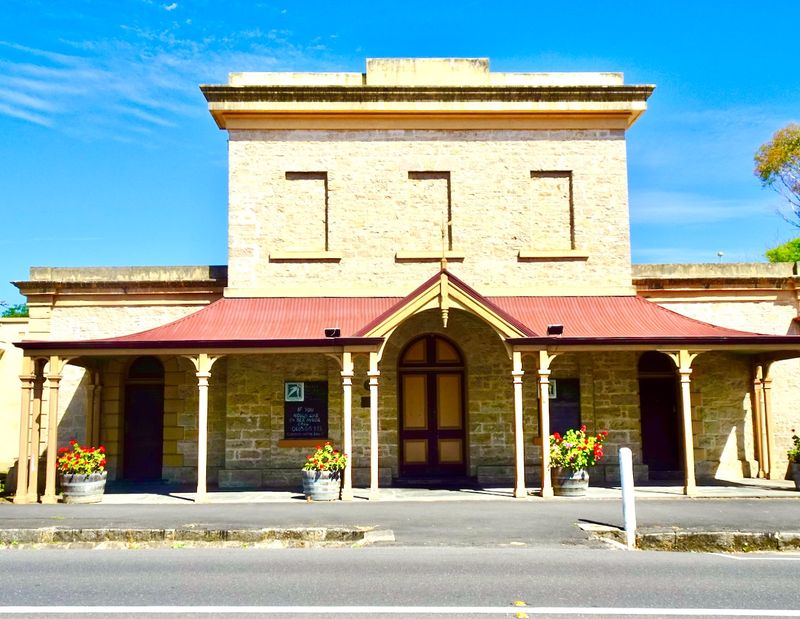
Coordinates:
(11,330)
(361,212)
(762,298)
(358,185)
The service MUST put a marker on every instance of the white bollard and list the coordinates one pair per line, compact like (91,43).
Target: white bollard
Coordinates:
(628,503)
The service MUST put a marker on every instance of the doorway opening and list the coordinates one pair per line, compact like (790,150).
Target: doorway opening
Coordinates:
(143,446)
(662,447)
(432,410)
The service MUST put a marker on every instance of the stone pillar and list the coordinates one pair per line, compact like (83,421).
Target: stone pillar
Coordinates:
(347,424)
(54,380)
(519,437)
(202,364)
(543,371)
(683,361)
(690,487)
(202,434)
(373,375)
(769,426)
(97,411)
(27,378)
(36,424)
(90,396)
(758,416)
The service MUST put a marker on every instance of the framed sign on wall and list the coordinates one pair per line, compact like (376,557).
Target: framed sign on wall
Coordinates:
(305,410)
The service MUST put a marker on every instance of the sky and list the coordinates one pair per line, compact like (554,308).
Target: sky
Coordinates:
(108,156)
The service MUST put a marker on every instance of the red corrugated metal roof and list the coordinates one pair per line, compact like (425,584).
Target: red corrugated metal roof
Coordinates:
(608,317)
(277,318)
(280,321)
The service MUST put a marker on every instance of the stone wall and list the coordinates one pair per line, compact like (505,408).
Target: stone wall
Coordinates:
(11,330)
(504,188)
(255,454)
(722,417)
(770,312)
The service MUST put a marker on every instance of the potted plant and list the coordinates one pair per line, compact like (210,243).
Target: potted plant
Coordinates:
(81,473)
(570,456)
(322,473)
(794,458)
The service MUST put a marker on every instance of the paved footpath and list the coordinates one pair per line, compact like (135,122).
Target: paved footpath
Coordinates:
(492,520)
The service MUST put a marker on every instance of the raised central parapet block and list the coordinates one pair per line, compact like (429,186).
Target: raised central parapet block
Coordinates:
(412,93)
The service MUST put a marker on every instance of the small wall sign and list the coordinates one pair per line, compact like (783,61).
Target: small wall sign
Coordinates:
(293,392)
(305,410)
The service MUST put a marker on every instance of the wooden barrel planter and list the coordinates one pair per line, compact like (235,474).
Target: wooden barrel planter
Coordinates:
(567,482)
(77,488)
(321,485)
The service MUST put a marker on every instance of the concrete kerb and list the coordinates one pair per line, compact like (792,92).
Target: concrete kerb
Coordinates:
(683,540)
(279,537)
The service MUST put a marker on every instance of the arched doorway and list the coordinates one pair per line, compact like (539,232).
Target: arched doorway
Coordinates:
(662,448)
(144,420)
(432,410)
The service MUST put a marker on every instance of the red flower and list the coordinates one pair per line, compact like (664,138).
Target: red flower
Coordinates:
(73,442)
(63,450)
(101,449)
(605,433)
(583,428)
(103,462)
(556,436)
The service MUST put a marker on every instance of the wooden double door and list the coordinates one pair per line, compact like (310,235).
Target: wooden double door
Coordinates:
(432,411)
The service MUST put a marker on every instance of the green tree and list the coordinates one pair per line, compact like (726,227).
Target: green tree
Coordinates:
(13,311)
(788,252)
(778,167)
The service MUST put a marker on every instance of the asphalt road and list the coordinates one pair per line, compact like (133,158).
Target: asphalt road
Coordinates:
(394,581)
(546,524)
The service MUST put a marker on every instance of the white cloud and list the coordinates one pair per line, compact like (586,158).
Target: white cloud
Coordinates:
(170,7)
(679,255)
(675,207)
(22,114)
(140,79)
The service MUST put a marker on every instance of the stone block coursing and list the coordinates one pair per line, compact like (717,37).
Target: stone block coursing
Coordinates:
(374,209)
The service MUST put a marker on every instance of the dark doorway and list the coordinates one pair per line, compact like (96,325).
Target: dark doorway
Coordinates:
(144,420)
(662,448)
(432,428)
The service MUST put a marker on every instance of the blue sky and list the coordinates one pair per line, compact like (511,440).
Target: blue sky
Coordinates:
(109,156)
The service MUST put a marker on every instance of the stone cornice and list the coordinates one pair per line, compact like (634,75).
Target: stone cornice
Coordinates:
(223,93)
(614,106)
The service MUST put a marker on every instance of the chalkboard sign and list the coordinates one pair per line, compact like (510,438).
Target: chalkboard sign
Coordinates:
(305,409)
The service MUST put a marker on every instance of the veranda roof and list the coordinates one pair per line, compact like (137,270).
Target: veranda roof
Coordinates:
(270,322)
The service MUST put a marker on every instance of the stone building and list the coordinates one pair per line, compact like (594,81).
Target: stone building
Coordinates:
(429,265)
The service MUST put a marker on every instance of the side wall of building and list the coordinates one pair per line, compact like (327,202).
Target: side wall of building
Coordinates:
(11,330)
(762,298)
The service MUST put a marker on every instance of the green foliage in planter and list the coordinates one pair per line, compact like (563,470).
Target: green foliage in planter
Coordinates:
(326,458)
(576,450)
(794,451)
